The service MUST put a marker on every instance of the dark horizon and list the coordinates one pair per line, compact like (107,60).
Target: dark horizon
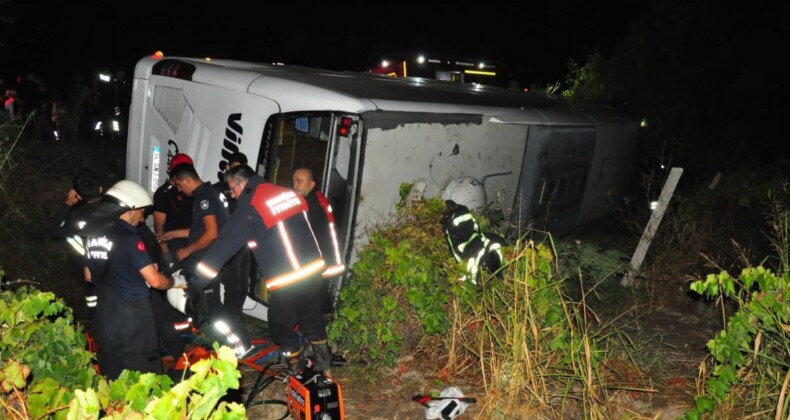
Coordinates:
(59,41)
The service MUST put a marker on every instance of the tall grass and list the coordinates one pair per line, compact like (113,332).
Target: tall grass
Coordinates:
(778,217)
(528,341)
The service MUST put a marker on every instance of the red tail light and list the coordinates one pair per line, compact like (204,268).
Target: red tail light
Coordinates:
(345,127)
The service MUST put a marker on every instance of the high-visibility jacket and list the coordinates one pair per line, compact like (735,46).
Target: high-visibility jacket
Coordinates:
(322,221)
(272,221)
(68,221)
(468,244)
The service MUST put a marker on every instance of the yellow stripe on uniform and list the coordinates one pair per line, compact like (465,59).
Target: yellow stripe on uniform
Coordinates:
(295,276)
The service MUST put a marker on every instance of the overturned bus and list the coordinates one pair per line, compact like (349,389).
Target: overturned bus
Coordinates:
(539,160)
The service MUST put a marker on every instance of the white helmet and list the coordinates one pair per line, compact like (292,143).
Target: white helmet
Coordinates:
(447,407)
(466,191)
(129,195)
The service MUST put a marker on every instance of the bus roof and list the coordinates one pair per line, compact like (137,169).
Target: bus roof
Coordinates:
(297,88)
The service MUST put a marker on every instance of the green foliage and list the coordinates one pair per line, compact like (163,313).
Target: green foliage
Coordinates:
(751,352)
(47,371)
(524,333)
(38,332)
(517,329)
(398,290)
(150,396)
(403,192)
(588,260)
(590,81)
(778,218)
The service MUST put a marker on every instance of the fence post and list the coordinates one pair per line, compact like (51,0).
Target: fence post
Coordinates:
(652,225)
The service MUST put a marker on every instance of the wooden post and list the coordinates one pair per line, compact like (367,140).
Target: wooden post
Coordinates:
(652,225)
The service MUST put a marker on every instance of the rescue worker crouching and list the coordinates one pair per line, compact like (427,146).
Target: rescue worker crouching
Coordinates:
(272,221)
(468,244)
(118,264)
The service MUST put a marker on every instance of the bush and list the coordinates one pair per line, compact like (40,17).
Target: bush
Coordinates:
(749,369)
(47,371)
(399,289)
(514,329)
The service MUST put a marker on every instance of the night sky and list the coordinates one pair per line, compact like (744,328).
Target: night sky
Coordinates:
(532,41)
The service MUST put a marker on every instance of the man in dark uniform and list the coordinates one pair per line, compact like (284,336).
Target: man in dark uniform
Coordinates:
(272,221)
(172,211)
(68,220)
(323,222)
(238,271)
(209,213)
(234,160)
(118,264)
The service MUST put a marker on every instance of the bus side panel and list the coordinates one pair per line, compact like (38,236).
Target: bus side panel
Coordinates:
(227,121)
(554,177)
(433,149)
(611,170)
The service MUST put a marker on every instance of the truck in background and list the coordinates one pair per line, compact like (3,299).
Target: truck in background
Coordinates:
(540,160)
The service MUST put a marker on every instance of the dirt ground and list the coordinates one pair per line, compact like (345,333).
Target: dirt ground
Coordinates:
(675,338)
(676,330)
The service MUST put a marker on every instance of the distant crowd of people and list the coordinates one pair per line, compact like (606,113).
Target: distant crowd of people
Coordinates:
(102,106)
(26,94)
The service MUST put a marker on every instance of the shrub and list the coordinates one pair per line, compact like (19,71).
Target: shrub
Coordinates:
(46,370)
(398,290)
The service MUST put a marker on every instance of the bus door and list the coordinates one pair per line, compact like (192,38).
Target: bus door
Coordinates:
(328,144)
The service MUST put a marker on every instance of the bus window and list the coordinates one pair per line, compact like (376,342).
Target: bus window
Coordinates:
(298,141)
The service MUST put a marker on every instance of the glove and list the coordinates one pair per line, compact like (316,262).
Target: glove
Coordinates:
(179,279)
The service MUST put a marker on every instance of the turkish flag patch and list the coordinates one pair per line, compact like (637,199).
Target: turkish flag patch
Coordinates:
(140,246)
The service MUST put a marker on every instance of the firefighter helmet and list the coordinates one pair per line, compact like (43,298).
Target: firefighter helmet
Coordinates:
(129,195)
(466,191)
(450,404)
(178,159)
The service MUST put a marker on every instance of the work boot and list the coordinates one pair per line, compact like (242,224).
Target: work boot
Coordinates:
(322,356)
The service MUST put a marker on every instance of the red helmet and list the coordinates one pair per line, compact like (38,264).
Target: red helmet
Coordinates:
(180,158)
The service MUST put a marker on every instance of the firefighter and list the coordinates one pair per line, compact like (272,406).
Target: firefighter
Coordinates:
(322,221)
(122,270)
(272,221)
(468,244)
(67,222)
(238,271)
